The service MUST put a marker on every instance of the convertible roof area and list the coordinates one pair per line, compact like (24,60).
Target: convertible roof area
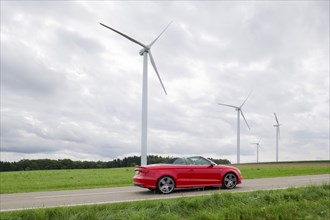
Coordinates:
(195,160)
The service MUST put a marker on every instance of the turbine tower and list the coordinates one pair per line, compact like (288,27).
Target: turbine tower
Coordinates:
(239,113)
(258,147)
(145,51)
(277,126)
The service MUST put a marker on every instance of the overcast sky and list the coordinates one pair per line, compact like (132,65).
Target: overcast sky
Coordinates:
(71,88)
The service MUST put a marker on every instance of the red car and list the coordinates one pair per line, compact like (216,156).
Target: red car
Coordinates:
(187,172)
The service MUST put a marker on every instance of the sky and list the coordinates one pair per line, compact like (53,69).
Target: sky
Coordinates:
(71,88)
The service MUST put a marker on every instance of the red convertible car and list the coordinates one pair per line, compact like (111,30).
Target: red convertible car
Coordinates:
(187,172)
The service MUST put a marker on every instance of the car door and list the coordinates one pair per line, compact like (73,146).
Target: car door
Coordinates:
(187,173)
(204,175)
(204,171)
(184,177)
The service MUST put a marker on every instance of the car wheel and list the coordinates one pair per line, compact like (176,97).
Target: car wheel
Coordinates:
(229,181)
(165,185)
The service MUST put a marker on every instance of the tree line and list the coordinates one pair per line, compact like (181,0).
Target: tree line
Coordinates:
(48,164)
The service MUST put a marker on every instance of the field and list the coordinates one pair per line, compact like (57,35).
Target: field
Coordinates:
(31,181)
(310,202)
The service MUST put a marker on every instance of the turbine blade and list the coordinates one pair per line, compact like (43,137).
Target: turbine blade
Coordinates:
(228,105)
(245,119)
(276,119)
(259,140)
(245,100)
(154,65)
(126,36)
(150,45)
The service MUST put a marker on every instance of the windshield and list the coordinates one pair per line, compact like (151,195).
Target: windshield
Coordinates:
(193,161)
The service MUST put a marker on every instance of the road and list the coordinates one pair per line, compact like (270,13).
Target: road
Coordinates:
(19,201)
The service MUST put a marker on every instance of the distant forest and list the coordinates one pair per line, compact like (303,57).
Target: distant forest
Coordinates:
(47,164)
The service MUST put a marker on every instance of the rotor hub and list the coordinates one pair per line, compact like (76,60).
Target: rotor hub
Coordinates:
(144,50)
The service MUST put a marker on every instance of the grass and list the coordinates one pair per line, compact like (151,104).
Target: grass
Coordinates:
(312,202)
(32,181)
(48,180)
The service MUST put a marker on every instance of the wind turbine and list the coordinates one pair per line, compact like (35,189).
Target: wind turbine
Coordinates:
(277,126)
(144,52)
(258,147)
(239,113)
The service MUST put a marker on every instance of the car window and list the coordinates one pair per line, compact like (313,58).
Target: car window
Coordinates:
(199,161)
(189,161)
(179,161)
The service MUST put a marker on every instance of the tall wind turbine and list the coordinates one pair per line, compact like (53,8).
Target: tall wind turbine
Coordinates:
(239,113)
(277,126)
(258,147)
(144,52)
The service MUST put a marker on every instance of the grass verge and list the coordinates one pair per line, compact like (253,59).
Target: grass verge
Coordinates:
(312,202)
(48,180)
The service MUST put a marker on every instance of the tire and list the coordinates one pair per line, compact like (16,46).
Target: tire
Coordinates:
(229,181)
(165,185)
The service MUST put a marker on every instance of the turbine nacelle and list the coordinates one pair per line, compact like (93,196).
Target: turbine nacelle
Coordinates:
(144,50)
(258,143)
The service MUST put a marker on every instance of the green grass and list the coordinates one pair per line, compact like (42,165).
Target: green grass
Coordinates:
(312,202)
(48,180)
(31,181)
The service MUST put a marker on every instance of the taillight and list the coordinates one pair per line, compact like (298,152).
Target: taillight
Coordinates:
(141,171)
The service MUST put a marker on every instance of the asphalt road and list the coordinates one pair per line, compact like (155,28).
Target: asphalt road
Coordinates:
(18,201)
